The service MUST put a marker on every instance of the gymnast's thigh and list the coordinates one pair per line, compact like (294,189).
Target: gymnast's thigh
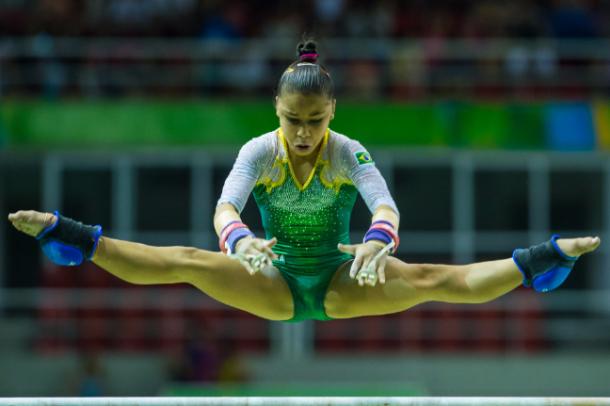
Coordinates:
(345,298)
(264,294)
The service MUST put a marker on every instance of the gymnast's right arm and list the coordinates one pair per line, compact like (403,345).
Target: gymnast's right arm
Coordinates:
(235,237)
(67,242)
(143,264)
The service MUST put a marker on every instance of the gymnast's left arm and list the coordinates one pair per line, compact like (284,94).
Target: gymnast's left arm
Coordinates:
(382,236)
(371,256)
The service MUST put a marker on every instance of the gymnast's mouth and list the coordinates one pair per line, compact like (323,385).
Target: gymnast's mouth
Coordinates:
(303,147)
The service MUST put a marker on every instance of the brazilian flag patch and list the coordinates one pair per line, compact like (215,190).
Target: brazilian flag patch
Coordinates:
(363,157)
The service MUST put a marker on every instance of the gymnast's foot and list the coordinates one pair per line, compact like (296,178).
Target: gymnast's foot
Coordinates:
(31,222)
(546,266)
(575,247)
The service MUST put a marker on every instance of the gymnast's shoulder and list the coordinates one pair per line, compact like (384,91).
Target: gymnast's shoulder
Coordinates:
(340,146)
(261,148)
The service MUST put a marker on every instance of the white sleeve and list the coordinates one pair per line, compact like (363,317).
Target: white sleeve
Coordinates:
(366,177)
(253,157)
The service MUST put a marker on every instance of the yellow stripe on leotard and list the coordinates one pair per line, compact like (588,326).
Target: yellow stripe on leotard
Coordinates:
(313,170)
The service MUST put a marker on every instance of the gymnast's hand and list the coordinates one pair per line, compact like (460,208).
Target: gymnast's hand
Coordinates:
(369,262)
(255,253)
(31,222)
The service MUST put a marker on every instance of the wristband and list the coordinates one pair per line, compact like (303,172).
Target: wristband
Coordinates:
(383,222)
(226,231)
(230,234)
(228,224)
(234,237)
(381,230)
(375,234)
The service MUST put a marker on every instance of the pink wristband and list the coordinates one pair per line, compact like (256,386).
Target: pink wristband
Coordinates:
(226,232)
(390,231)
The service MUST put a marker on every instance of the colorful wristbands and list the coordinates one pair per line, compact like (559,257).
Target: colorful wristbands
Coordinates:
(383,222)
(374,234)
(383,231)
(231,233)
(235,236)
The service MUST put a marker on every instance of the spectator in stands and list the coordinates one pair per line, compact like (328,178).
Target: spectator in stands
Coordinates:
(200,358)
(90,377)
(225,21)
(232,368)
(51,71)
(571,19)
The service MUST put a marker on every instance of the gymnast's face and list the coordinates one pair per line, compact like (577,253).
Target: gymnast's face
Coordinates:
(304,119)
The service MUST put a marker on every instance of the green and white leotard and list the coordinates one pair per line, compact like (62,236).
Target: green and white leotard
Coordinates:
(308,220)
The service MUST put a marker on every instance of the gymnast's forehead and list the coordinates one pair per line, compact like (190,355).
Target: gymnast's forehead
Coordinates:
(309,104)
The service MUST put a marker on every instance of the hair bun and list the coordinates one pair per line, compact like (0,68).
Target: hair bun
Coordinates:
(307,51)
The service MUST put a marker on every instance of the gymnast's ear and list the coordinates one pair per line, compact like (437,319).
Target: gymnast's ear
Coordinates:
(275,103)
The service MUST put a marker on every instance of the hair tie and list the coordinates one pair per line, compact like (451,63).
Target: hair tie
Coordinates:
(312,56)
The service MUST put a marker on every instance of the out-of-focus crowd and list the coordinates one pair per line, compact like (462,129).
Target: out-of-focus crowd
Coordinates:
(235,19)
(375,49)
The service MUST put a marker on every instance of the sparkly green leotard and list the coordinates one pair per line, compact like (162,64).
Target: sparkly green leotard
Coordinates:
(308,220)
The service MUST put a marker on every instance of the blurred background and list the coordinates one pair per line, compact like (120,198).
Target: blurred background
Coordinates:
(489,120)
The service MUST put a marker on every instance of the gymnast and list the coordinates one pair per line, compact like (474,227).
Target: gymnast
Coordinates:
(305,179)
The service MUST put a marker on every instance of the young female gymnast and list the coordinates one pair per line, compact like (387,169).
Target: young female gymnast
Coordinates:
(305,179)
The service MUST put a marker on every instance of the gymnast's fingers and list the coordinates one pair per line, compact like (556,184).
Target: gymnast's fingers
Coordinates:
(367,274)
(271,242)
(243,260)
(261,246)
(381,270)
(371,279)
(366,262)
(347,248)
(248,267)
(367,278)
(269,252)
(257,261)
(353,271)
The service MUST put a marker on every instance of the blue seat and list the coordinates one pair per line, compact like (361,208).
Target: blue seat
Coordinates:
(569,126)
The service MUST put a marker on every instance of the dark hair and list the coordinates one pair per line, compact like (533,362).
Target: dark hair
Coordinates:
(306,75)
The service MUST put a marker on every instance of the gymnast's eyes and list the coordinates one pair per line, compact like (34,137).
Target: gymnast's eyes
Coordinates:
(296,121)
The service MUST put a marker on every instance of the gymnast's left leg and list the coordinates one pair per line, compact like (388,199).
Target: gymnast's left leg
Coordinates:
(410,284)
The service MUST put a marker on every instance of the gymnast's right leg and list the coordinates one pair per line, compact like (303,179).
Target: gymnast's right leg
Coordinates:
(264,294)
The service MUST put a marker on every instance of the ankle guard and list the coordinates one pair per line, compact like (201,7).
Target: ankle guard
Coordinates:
(544,266)
(69,242)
